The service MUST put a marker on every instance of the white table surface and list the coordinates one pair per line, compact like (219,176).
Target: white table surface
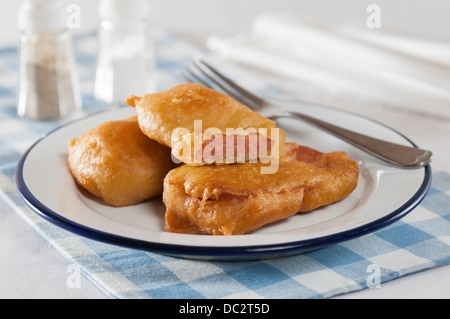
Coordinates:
(31,268)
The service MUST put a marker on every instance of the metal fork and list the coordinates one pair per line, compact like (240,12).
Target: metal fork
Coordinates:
(395,154)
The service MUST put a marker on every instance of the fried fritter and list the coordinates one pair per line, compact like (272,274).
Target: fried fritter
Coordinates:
(237,199)
(118,163)
(204,126)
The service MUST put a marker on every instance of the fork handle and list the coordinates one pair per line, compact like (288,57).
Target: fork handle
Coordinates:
(399,155)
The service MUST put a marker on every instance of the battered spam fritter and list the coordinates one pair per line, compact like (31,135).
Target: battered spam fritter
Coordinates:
(169,117)
(118,163)
(126,162)
(237,199)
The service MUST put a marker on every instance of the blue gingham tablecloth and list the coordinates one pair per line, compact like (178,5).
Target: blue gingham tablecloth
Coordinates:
(418,242)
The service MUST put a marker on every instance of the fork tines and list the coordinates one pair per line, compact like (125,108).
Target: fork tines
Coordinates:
(203,73)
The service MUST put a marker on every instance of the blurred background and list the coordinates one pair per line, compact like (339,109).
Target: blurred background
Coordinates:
(415,75)
(196,19)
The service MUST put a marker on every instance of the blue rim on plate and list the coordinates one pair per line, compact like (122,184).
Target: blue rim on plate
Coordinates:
(253,252)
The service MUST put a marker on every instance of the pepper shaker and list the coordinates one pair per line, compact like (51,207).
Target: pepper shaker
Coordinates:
(125,57)
(47,79)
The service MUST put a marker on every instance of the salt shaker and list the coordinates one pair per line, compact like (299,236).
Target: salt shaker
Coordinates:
(48,82)
(125,58)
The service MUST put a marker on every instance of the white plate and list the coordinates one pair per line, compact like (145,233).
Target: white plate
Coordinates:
(384,195)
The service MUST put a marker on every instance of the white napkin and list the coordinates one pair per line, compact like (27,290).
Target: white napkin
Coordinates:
(409,75)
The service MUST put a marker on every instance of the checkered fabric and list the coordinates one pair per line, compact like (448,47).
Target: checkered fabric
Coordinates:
(418,242)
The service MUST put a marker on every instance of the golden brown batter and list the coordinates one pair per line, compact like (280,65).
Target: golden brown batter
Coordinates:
(117,162)
(237,199)
(180,115)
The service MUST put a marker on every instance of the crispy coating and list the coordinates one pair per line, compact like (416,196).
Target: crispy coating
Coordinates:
(118,163)
(237,199)
(169,117)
